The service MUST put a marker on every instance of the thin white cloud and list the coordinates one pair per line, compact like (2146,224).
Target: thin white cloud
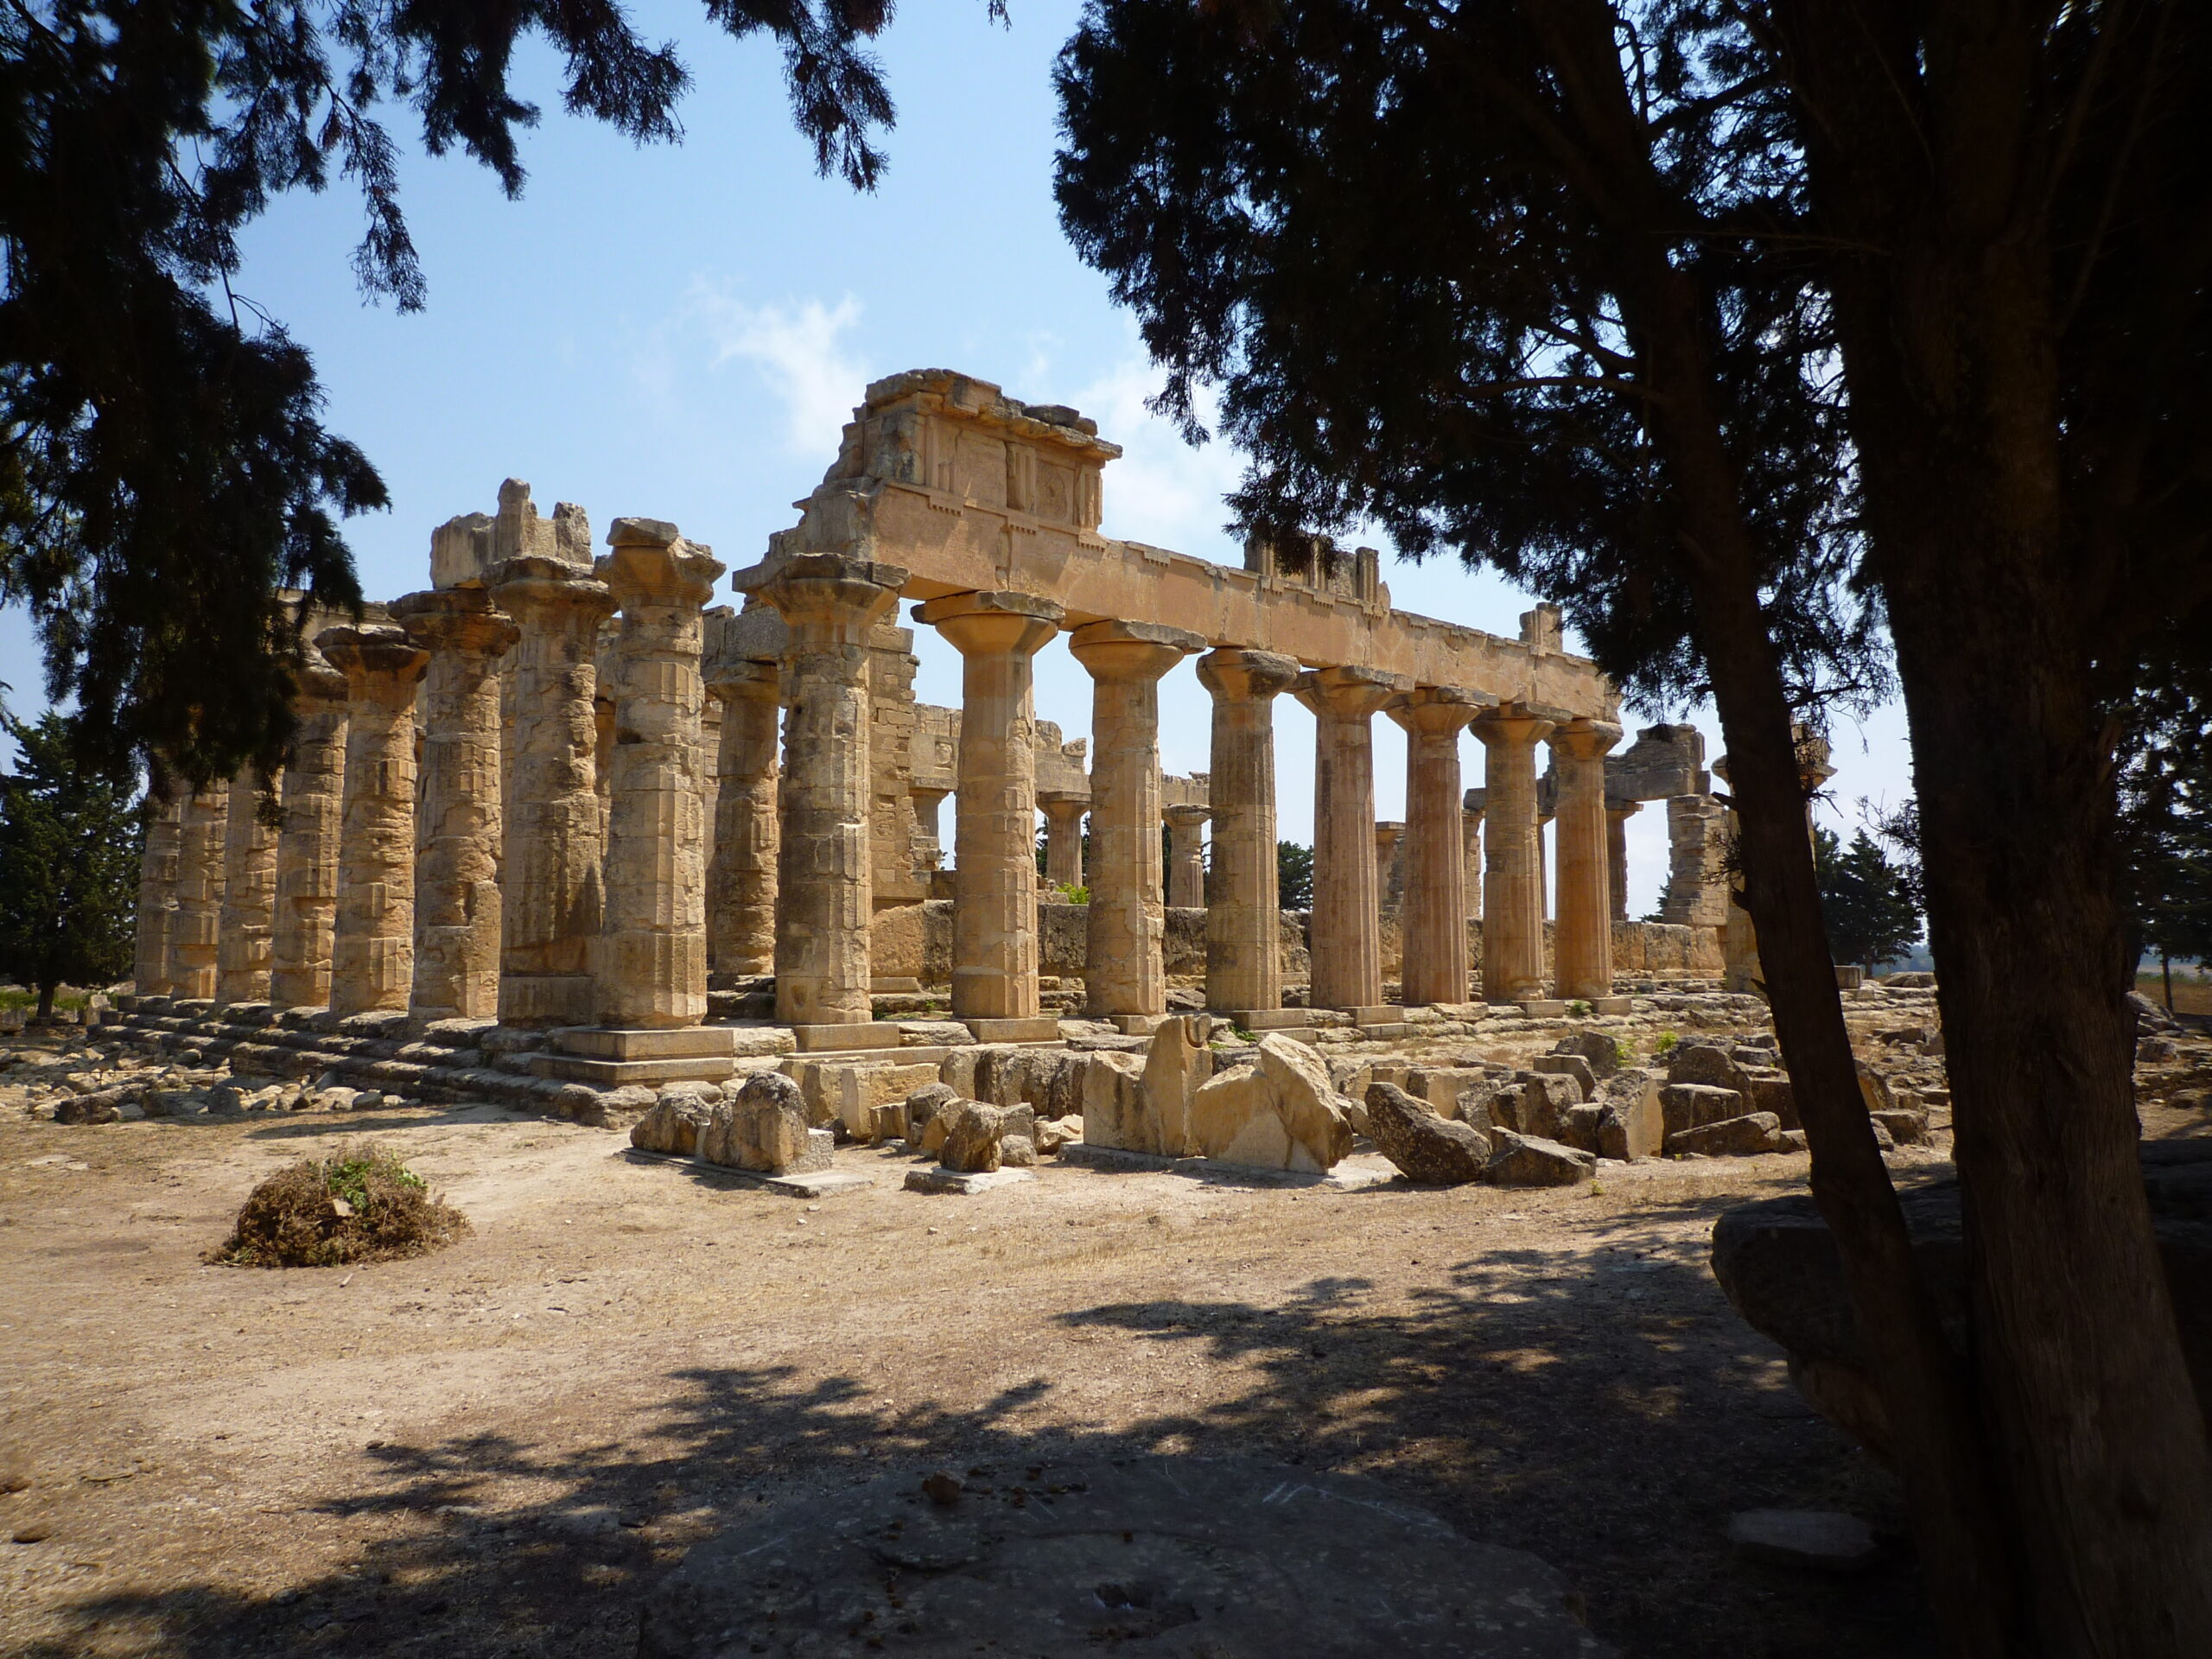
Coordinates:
(1162,490)
(799,349)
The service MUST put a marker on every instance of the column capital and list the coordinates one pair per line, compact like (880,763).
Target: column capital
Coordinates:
(653,565)
(380,663)
(990,622)
(1582,739)
(843,596)
(1436,710)
(1186,817)
(539,591)
(1623,809)
(1475,802)
(1348,693)
(732,681)
(315,679)
(462,620)
(1516,723)
(1233,674)
(1131,652)
(1059,803)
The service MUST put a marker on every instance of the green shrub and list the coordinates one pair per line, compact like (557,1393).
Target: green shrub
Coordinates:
(362,1204)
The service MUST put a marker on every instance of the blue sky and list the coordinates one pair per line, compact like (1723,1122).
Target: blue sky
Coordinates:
(679,332)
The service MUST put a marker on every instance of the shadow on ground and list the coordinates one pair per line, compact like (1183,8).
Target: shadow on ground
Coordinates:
(1607,1411)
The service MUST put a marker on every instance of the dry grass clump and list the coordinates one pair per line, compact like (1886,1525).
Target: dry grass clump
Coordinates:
(361,1205)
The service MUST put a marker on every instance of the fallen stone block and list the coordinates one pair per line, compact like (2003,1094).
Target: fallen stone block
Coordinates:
(1707,1063)
(673,1126)
(1735,1137)
(1599,1049)
(764,1128)
(1686,1106)
(974,1137)
(1531,1161)
(1633,1124)
(1907,1126)
(1570,1065)
(1426,1147)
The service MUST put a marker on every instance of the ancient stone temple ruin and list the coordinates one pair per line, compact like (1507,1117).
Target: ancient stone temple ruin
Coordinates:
(559,793)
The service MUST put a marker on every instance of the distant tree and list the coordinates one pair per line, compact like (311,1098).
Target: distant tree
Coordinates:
(1293,876)
(1865,900)
(2165,816)
(69,841)
(163,466)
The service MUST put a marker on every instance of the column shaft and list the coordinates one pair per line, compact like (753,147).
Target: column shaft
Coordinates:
(1063,838)
(157,892)
(373,947)
(243,950)
(1244,913)
(1186,856)
(1584,947)
(1432,913)
(1347,943)
(306,846)
(1513,902)
(1618,813)
(742,879)
(195,927)
(1471,866)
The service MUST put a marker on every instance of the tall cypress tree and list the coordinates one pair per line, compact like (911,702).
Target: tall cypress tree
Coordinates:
(69,844)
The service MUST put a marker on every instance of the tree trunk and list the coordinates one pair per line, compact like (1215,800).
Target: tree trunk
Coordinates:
(2166,974)
(46,990)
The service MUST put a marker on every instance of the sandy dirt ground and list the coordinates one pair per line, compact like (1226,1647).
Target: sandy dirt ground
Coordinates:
(498,1450)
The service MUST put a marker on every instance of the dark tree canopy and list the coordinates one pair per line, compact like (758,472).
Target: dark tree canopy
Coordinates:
(69,841)
(2166,819)
(1865,899)
(164,470)
(1293,876)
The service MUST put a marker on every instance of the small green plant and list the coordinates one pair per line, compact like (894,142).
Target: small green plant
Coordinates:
(1623,1055)
(1578,1009)
(1665,1045)
(1073,896)
(362,1204)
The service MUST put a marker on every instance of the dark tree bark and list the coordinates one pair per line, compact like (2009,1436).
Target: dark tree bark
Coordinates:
(46,990)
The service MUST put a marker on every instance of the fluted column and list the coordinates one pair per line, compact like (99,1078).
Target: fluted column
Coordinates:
(1618,813)
(994,949)
(825,880)
(1125,968)
(373,945)
(1471,866)
(157,891)
(1584,950)
(1347,944)
(243,949)
(650,961)
(195,929)
(1244,912)
(1187,855)
(552,885)
(457,902)
(1389,839)
(1063,837)
(306,847)
(1513,900)
(1433,909)
(741,878)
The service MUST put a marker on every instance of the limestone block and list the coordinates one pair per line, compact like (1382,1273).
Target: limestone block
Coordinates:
(1907,1126)
(1692,1105)
(1177,1065)
(925,1103)
(764,1128)
(1313,1111)
(1633,1124)
(856,1091)
(1768,1090)
(1114,1104)
(1599,1048)
(1426,1148)
(1580,1126)
(1531,1161)
(973,1134)
(1546,1098)
(1569,1066)
(673,1126)
(1237,1117)
(1707,1063)
(1732,1137)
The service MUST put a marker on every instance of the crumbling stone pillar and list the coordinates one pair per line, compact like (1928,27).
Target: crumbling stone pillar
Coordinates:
(651,963)
(552,887)
(1513,899)
(457,893)
(157,863)
(372,946)
(306,913)
(195,928)
(995,950)
(824,870)
(1433,913)
(928,807)
(1347,944)
(1125,964)
(243,949)
(1584,946)
(1063,837)
(1187,855)
(741,877)
(1470,841)
(1245,918)
(1618,813)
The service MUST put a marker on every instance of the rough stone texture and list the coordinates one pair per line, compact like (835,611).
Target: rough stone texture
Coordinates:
(1242,925)
(457,898)
(1279,1113)
(824,870)
(973,1137)
(764,1128)
(1767,1089)
(1633,1124)
(1708,1063)
(552,883)
(306,902)
(157,895)
(742,875)
(195,925)
(1600,1049)
(1513,892)
(1692,1105)
(1546,1098)
(649,961)
(1186,855)
(1532,1161)
(1820,1539)
(373,944)
(1113,1105)
(1347,914)
(851,1094)
(1181,1556)
(243,949)
(1569,1065)
(1583,959)
(1732,1137)
(1176,1065)
(925,1103)
(1426,1148)
(1434,966)
(995,954)
(673,1126)
(1308,1103)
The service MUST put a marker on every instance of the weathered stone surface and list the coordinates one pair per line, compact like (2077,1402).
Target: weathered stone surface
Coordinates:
(764,1128)
(1732,1137)
(373,945)
(1907,1127)
(1513,891)
(1569,1066)
(1579,1127)
(925,1103)
(673,1126)
(1546,1098)
(1176,1066)
(1425,1147)
(242,952)
(1768,1090)
(1311,1110)
(1820,1539)
(1692,1105)
(1633,1124)
(1707,1063)
(1531,1161)
(1114,1112)
(1347,967)
(974,1136)
(1278,1113)
(1600,1049)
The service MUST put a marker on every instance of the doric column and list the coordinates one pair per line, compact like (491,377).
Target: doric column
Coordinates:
(1125,967)
(1063,837)
(243,950)
(1244,919)
(195,928)
(157,892)
(1513,900)
(1389,840)
(457,890)
(1470,841)
(1618,813)
(1347,944)
(373,945)
(306,847)
(1584,947)
(741,878)
(995,837)
(552,891)
(825,880)
(650,961)
(1187,855)
(1434,910)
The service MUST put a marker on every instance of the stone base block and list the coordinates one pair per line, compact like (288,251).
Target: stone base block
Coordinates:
(1543,1007)
(932,1053)
(608,1043)
(1612,1005)
(793,1184)
(1387,1030)
(1466,1013)
(545,998)
(938,1179)
(1268,1019)
(612,1074)
(1384,1014)
(895,985)
(1043,1028)
(1135,1024)
(870,1033)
